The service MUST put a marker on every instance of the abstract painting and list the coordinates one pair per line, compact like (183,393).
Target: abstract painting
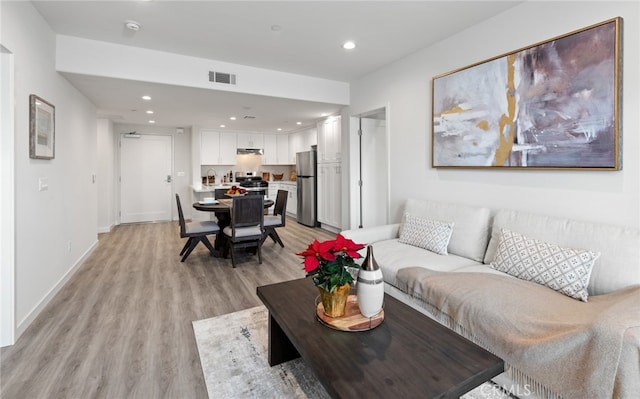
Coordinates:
(553,105)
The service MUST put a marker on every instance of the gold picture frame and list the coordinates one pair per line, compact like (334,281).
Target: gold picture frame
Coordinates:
(553,105)
(42,128)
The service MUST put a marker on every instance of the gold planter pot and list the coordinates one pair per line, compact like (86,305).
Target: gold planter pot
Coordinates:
(335,303)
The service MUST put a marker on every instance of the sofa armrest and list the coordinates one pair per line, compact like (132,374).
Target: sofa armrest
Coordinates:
(370,235)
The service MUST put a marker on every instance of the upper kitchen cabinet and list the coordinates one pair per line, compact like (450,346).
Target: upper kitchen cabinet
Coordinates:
(217,148)
(270,156)
(301,141)
(282,141)
(276,149)
(330,140)
(250,140)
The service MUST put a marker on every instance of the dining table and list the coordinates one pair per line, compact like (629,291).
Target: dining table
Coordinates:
(222,209)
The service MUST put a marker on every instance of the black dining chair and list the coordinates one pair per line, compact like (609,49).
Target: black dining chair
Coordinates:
(195,232)
(278,219)
(246,228)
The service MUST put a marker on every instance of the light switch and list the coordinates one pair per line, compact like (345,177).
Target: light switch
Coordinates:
(180,174)
(43,184)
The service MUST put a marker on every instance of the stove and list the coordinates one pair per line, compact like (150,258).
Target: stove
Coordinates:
(253,184)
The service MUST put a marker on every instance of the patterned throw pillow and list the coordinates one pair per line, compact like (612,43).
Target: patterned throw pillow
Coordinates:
(431,235)
(566,270)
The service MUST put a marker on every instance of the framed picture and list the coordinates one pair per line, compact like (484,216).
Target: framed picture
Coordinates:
(553,105)
(42,128)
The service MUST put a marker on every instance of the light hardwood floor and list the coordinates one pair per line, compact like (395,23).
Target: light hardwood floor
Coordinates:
(121,327)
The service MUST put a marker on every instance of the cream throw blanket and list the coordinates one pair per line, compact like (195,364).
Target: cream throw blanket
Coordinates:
(573,348)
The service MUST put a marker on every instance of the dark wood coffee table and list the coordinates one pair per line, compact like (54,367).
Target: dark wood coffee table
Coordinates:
(407,356)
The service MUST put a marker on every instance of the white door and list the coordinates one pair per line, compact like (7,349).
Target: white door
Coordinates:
(145,178)
(375,172)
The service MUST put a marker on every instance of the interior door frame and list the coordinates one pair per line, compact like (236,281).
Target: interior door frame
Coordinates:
(118,174)
(7,199)
(354,169)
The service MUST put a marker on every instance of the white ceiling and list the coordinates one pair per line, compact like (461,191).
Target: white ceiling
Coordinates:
(308,43)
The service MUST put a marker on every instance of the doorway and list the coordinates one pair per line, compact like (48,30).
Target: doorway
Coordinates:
(7,202)
(373,168)
(145,178)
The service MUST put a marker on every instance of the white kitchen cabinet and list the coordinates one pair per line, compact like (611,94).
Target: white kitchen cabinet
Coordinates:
(295,145)
(250,140)
(217,148)
(330,140)
(209,147)
(276,149)
(301,141)
(272,191)
(282,141)
(228,149)
(292,199)
(270,156)
(329,198)
(292,195)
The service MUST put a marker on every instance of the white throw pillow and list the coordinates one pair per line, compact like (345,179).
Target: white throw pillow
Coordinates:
(566,270)
(429,234)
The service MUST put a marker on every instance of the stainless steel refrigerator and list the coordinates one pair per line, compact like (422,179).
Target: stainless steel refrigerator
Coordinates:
(306,182)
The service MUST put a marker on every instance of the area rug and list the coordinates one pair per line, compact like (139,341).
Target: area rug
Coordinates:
(233,352)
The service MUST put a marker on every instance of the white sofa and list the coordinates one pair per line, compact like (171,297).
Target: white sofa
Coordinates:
(550,351)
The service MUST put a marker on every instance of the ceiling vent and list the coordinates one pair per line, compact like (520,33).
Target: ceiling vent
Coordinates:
(222,77)
(249,117)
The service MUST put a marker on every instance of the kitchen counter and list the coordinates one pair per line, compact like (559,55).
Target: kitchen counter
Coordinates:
(282,182)
(199,188)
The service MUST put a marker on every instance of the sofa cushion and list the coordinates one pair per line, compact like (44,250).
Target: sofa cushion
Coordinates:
(618,265)
(391,256)
(565,270)
(471,232)
(432,235)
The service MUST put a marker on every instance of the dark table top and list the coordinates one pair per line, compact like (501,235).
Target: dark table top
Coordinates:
(223,205)
(408,355)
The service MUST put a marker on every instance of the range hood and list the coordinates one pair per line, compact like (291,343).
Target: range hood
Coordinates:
(254,151)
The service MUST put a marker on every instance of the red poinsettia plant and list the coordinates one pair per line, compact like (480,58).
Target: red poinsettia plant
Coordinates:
(328,261)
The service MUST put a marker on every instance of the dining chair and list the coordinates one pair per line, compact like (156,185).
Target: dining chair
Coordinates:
(246,228)
(195,232)
(271,222)
(219,193)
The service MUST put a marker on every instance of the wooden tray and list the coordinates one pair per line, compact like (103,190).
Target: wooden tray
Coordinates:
(352,320)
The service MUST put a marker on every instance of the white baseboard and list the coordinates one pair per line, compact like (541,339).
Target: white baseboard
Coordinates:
(329,228)
(105,229)
(26,322)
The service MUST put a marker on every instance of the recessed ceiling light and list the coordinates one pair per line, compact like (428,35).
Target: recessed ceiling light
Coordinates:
(132,25)
(147,98)
(298,123)
(349,45)
(152,121)
(149,112)
(279,129)
(233,118)
(223,126)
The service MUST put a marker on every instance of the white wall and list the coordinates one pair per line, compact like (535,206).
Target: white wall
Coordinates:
(610,197)
(55,229)
(106,175)
(181,162)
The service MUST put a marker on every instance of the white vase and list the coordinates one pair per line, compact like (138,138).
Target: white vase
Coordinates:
(370,286)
